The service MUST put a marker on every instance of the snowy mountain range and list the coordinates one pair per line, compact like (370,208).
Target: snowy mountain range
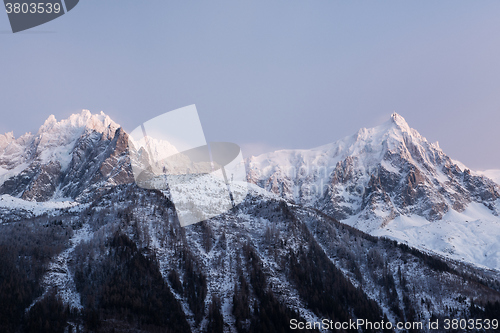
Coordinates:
(76,231)
(387,181)
(390,181)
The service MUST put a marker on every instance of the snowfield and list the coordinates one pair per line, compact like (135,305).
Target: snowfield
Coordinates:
(472,236)
(33,208)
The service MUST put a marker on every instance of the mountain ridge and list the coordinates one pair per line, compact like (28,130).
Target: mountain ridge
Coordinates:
(387,180)
(390,181)
(64,159)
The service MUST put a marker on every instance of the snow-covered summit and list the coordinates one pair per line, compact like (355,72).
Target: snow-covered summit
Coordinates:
(376,175)
(101,123)
(53,135)
(56,139)
(399,121)
(34,166)
(381,175)
(370,147)
(395,135)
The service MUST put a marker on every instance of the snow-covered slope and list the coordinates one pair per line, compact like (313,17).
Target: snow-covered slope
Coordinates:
(13,209)
(381,180)
(472,235)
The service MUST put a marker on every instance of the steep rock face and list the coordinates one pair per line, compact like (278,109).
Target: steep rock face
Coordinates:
(16,185)
(97,163)
(375,175)
(44,185)
(71,158)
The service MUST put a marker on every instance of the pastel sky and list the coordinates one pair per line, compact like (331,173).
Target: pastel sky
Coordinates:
(267,74)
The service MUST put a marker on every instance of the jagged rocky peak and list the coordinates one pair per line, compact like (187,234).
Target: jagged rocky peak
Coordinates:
(66,158)
(377,174)
(6,139)
(396,141)
(101,123)
(394,133)
(57,133)
(399,121)
(394,136)
(55,140)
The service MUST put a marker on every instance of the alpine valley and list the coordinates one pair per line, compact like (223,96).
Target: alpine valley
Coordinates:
(381,226)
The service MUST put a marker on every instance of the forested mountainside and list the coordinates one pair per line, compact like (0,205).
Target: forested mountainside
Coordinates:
(123,264)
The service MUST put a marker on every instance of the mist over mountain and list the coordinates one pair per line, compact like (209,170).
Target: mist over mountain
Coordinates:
(83,248)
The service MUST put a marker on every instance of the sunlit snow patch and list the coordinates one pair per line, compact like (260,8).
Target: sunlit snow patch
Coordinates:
(33,208)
